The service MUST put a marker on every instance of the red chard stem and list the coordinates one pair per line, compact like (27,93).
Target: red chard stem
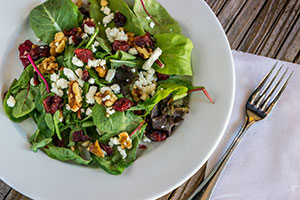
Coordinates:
(161,65)
(204,91)
(143,4)
(138,128)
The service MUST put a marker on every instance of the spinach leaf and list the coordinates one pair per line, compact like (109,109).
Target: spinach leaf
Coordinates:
(49,121)
(64,154)
(23,80)
(42,126)
(129,63)
(54,16)
(176,54)
(38,141)
(56,123)
(97,15)
(164,22)
(99,81)
(104,45)
(66,59)
(92,39)
(177,81)
(115,123)
(24,103)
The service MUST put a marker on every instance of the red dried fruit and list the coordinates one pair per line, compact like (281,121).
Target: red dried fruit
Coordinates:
(36,80)
(138,112)
(85,75)
(73,31)
(119,19)
(53,104)
(76,39)
(89,23)
(24,50)
(79,136)
(57,142)
(40,52)
(144,41)
(120,45)
(122,104)
(157,136)
(162,76)
(84,54)
(106,148)
(141,146)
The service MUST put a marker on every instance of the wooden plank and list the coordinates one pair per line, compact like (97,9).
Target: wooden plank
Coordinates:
(14,195)
(243,22)
(216,5)
(4,190)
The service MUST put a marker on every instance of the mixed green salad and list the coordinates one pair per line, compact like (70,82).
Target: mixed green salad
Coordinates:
(106,80)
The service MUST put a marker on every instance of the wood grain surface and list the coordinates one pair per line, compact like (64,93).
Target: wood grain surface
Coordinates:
(265,27)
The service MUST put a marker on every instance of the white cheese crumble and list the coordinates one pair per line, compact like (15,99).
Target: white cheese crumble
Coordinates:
(77,62)
(110,75)
(105,10)
(38,40)
(107,19)
(146,139)
(91,81)
(94,49)
(82,110)
(148,18)
(84,36)
(96,44)
(99,23)
(79,73)
(133,70)
(115,34)
(90,96)
(11,102)
(70,40)
(107,97)
(155,55)
(110,110)
(56,44)
(122,152)
(70,74)
(54,77)
(89,30)
(56,90)
(133,51)
(68,107)
(62,83)
(96,62)
(80,82)
(152,24)
(113,141)
(88,111)
(61,119)
(32,81)
(116,88)
(103,89)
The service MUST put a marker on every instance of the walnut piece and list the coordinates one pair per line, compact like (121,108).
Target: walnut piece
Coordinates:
(102,71)
(95,149)
(48,66)
(143,93)
(108,98)
(125,140)
(57,46)
(143,51)
(79,3)
(103,3)
(74,96)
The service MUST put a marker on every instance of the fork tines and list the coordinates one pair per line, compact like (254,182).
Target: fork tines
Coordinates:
(265,91)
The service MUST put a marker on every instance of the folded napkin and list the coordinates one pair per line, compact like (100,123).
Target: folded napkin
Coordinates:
(266,164)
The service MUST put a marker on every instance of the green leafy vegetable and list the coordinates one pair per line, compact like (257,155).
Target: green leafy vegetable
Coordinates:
(54,16)
(164,23)
(38,141)
(97,15)
(104,45)
(56,122)
(176,54)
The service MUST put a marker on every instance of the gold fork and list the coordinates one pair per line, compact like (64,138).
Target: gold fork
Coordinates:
(257,108)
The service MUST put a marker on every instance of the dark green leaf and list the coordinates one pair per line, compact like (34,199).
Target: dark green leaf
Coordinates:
(24,103)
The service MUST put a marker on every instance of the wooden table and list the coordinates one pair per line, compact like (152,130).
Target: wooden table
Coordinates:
(265,27)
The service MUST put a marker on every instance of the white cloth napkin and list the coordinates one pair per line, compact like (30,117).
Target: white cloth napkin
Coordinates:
(266,164)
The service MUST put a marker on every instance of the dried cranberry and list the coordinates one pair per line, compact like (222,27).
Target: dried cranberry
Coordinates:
(58,142)
(84,54)
(144,41)
(73,31)
(89,23)
(138,112)
(36,80)
(53,104)
(85,75)
(76,39)
(141,146)
(40,52)
(120,45)
(162,76)
(122,104)
(24,50)
(119,19)
(78,136)
(157,136)
(106,148)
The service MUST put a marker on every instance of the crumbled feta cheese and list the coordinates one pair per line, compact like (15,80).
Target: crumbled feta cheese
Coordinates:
(70,74)
(62,83)
(133,70)
(110,75)
(107,19)
(79,72)
(56,44)
(110,110)
(91,81)
(38,40)
(77,62)
(96,62)
(84,36)
(122,152)
(82,110)
(57,91)
(151,24)
(68,107)
(99,133)
(148,18)
(133,51)
(32,81)
(146,139)
(70,40)
(11,102)
(61,119)
(88,111)
(89,30)
(54,77)
(96,43)
(116,88)
(107,97)
(99,23)
(105,10)
(90,96)
(103,89)
(113,141)
(80,82)
(155,55)
(115,34)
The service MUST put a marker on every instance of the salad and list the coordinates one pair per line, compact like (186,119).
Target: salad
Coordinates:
(105,79)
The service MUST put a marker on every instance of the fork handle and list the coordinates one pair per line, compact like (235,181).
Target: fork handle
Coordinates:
(206,188)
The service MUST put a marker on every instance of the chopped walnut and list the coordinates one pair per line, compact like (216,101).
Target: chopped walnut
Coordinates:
(48,66)
(103,3)
(74,96)
(125,140)
(95,149)
(108,98)
(102,70)
(143,51)
(143,93)
(79,3)
(57,46)
(130,38)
